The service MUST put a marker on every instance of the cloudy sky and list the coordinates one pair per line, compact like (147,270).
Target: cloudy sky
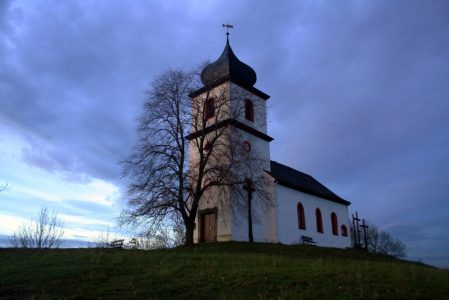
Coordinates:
(359,100)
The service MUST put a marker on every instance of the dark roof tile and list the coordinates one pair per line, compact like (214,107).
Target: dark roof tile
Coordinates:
(230,67)
(297,180)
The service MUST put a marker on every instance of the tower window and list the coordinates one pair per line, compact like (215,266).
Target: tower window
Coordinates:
(334,224)
(207,182)
(207,146)
(209,108)
(319,220)
(246,146)
(301,216)
(249,110)
(344,230)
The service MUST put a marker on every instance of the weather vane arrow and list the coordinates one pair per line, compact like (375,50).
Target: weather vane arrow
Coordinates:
(227,26)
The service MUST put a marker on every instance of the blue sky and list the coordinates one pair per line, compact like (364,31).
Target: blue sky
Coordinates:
(359,100)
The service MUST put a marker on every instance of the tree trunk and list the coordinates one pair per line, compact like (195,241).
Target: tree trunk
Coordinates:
(190,227)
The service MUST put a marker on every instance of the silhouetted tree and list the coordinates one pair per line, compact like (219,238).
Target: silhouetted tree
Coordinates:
(164,185)
(381,242)
(45,231)
(4,187)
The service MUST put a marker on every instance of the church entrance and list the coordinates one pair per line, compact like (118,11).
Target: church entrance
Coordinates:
(208,226)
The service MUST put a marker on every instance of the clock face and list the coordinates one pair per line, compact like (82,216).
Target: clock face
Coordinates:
(246,146)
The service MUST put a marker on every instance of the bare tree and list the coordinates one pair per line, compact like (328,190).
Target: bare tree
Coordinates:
(164,182)
(382,242)
(4,187)
(157,167)
(390,246)
(160,239)
(103,240)
(45,231)
(133,243)
(179,235)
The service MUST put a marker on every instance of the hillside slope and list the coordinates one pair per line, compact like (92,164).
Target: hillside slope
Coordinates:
(223,271)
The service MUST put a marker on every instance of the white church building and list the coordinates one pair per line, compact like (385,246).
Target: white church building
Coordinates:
(302,210)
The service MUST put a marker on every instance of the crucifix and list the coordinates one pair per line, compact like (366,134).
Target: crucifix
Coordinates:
(364,226)
(227,26)
(355,225)
(249,187)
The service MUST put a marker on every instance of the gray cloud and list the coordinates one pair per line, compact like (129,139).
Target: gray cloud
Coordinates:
(359,90)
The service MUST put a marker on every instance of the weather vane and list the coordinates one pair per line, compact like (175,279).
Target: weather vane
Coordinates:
(227,26)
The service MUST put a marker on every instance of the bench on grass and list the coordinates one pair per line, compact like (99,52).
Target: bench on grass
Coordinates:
(307,240)
(116,244)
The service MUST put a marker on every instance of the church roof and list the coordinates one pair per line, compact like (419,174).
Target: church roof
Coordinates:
(302,182)
(228,66)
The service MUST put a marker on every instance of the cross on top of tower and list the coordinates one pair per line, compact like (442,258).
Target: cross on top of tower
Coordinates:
(227,26)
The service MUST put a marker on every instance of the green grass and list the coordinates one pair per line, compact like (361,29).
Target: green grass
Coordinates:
(223,271)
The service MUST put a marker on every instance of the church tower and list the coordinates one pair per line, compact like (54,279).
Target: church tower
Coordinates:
(229,118)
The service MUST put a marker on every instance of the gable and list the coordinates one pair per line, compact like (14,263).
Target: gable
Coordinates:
(302,182)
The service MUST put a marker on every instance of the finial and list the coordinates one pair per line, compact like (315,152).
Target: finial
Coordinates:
(227,26)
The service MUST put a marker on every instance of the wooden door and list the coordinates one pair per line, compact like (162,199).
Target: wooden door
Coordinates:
(208,230)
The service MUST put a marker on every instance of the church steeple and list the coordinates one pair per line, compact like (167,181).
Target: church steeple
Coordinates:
(230,113)
(228,67)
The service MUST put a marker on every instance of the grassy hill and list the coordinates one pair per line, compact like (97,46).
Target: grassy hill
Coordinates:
(223,270)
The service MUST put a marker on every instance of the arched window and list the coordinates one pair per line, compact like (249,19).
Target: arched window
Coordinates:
(344,230)
(319,220)
(209,108)
(247,146)
(334,224)
(207,183)
(249,110)
(301,216)
(207,146)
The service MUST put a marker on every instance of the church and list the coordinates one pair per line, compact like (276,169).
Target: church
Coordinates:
(301,210)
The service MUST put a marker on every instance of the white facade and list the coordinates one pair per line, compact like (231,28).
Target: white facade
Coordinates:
(287,220)
(280,223)
(264,221)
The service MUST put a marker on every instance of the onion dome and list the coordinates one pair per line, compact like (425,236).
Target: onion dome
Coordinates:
(228,66)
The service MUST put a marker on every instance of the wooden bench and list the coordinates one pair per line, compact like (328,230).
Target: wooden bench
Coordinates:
(307,240)
(116,244)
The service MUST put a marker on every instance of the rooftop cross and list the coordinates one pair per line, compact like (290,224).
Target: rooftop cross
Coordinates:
(227,26)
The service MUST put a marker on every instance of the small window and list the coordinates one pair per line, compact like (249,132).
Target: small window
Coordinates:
(319,220)
(247,146)
(344,230)
(249,110)
(207,183)
(301,216)
(334,224)
(209,108)
(207,146)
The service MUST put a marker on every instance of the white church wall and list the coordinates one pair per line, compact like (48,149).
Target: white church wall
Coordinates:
(263,215)
(215,198)
(211,199)
(288,229)
(222,108)
(259,149)
(238,96)
(264,223)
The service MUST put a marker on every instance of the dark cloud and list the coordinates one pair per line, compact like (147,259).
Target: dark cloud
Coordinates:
(358,90)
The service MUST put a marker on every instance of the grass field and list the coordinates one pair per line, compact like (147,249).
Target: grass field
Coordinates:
(223,271)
